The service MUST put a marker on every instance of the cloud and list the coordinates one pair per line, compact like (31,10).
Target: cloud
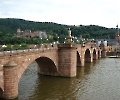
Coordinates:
(70,12)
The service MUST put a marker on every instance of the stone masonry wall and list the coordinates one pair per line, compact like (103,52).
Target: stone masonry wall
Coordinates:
(67,61)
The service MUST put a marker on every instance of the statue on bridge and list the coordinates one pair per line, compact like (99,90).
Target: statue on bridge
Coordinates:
(69,38)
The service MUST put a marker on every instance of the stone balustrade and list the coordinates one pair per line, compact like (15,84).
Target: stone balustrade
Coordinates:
(41,47)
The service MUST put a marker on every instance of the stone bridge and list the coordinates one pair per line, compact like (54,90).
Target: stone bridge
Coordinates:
(52,59)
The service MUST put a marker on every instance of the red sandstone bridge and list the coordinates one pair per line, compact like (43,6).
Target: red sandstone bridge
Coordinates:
(55,60)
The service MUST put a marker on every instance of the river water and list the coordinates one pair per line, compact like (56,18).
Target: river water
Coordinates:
(99,80)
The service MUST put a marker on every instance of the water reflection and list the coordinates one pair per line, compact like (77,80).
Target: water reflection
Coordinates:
(80,73)
(54,88)
(87,69)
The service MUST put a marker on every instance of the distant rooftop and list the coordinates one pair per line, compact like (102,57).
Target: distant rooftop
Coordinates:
(109,41)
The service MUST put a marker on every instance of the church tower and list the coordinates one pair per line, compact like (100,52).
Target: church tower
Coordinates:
(117,35)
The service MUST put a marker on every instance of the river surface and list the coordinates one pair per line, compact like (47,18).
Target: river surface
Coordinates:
(99,80)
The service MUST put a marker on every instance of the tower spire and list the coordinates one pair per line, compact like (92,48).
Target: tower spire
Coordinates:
(117,34)
(117,28)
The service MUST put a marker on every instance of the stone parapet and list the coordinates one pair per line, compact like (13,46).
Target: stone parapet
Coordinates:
(66,45)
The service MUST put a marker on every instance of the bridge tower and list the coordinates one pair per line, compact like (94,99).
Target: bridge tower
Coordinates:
(103,47)
(67,57)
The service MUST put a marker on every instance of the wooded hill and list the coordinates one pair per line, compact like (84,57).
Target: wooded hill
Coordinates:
(8,27)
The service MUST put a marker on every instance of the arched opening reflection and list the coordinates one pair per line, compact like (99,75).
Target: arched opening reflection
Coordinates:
(80,72)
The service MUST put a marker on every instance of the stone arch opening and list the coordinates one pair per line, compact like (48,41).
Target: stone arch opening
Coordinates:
(99,54)
(78,59)
(1,93)
(28,80)
(102,46)
(94,55)
(102,53)
(43,65)
(46,66)
(87,56)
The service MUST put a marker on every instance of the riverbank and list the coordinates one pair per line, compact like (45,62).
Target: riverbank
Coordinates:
(113,56)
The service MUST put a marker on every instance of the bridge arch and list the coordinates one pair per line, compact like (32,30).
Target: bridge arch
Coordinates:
(78,59)
(46,66)
(43,59)
(99,53)
(94,55)
(87,56)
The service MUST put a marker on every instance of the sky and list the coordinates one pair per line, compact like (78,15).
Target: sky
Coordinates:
(68,12)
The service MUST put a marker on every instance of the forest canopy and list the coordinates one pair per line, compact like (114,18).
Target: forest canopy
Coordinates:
(9,26)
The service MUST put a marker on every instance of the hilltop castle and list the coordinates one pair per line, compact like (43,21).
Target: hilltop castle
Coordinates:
(28,33)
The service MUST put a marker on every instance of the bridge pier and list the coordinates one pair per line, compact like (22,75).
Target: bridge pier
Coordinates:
(1,81)
(67,60)
(10,81)
(89,60)
(82,58)
(82,62)
(96,56)
(103,53)
(99,53)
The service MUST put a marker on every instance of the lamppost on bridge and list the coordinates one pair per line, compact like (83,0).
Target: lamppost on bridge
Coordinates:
(58,39)
(40,40)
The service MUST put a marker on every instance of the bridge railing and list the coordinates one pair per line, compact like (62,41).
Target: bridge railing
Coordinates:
(41,47)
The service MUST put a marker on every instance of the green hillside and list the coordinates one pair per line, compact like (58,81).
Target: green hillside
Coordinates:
(8,27)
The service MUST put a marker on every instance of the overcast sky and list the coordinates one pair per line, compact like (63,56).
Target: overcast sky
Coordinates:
(70,12)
